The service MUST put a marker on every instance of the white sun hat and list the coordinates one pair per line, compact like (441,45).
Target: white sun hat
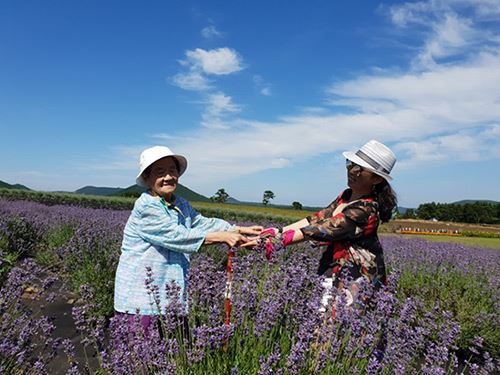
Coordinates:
(152,154)
(375,157)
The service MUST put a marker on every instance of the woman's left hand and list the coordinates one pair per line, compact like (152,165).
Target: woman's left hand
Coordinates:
(251,230)
(263,234)
(252,242)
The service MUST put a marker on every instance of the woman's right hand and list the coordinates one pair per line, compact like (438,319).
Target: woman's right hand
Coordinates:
(264,234)
(230,238)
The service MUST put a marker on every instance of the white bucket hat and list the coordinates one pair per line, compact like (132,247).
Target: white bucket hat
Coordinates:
(152,154)
(375,157)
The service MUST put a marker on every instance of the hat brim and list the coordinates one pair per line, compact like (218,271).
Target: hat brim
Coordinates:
(182,168)
(356,159)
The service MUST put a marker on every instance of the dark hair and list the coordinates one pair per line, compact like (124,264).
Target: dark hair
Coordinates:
(147,171)
(387,200)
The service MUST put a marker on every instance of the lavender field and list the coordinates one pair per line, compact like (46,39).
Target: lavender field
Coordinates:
(438,313)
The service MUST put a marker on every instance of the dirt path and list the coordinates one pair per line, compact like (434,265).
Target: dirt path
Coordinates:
(60,312)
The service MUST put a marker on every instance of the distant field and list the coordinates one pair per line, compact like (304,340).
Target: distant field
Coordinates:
(260,210)
(251,213)
(493,243)
(394,225)
(229,211)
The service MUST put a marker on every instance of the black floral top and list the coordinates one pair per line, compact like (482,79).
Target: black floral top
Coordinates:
(349,229)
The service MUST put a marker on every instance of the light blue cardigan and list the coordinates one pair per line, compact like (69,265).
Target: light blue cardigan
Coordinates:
(160,236)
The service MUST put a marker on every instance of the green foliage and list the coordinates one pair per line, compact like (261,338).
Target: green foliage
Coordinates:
(100,277)
(469,298)
(242,216)
(409,214)
(7,260)
(477,212)
(51,199)
(94,264)
(220,196)
(478,241)
(54,238)
(18,240)
(469,233)
(268,195)
(297,205)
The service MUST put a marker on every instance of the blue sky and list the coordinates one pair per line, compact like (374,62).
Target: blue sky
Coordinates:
(257,95)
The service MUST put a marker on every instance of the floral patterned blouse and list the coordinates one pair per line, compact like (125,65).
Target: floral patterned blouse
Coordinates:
(349,229)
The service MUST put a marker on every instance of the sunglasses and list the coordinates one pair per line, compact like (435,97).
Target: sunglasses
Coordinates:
(353,167)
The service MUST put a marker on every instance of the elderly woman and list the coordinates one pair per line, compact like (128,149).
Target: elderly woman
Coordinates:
(348,226)
(161,233)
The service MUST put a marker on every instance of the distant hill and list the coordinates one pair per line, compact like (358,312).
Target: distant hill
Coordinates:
(5,185)
(131,191)
(95,190)
(470,201)
(182,191)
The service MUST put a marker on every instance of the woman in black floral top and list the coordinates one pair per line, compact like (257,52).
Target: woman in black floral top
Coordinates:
(348,226)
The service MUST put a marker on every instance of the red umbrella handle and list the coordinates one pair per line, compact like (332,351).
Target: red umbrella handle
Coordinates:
(229,284)
(228,291)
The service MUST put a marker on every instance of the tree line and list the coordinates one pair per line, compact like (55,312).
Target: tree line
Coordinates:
(221,196)
(477,212)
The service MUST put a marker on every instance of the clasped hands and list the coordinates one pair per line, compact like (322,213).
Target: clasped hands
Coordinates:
(251,236)
(270,237)
(239,236)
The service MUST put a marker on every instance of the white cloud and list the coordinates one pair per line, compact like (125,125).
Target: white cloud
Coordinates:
(453,27)
(266,91)
(220,103)
(220,61)
(449,37)
(492,132)
(446,110)
(263,87)
(466,145)
(446,96)
(210,32)
(218,106)
(201,63)
(425,12)
(192,81)
(256,146)
(487,9)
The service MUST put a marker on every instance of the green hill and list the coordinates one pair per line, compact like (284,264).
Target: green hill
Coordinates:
(471,201)
(95,190)
(5,185)
(132,191)
(182,191)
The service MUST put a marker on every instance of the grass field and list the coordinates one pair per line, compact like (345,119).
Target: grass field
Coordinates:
(269,210)
(393,225)
(493,243)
